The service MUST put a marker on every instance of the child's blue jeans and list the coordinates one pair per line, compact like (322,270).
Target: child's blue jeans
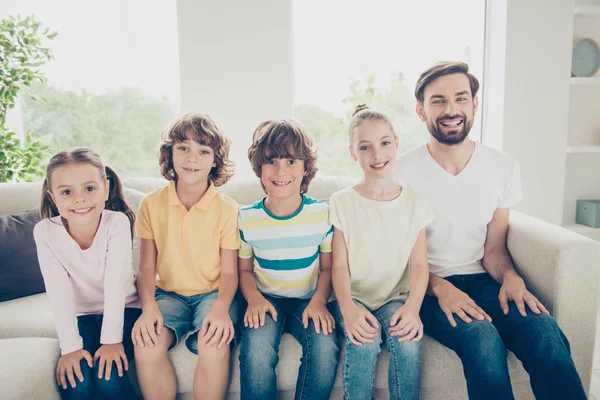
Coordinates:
(116,387)
(259,354)
(404,370)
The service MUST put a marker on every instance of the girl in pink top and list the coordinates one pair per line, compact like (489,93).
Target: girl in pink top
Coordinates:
(84,245)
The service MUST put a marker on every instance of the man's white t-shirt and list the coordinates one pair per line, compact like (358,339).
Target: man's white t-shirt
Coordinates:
(463,204)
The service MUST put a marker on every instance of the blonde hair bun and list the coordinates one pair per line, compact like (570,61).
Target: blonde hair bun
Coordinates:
(359,108)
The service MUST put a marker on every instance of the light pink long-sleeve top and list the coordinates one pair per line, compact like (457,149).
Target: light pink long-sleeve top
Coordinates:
(98,280)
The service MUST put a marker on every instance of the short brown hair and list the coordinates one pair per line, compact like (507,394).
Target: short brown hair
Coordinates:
(283,139)
(443,68)
(84,155)
(203,130)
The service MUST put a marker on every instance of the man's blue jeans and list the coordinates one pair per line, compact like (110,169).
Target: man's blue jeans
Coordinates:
(536,340)
(404,370)
(259,354)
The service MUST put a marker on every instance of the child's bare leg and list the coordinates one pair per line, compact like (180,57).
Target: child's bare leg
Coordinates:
(211,378)
(154,370)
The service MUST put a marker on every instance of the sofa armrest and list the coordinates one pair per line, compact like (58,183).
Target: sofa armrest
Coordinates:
(562,269)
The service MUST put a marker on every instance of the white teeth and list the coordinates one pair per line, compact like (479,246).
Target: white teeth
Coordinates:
(455,123)
(83,210)
(281,183)
(378,165)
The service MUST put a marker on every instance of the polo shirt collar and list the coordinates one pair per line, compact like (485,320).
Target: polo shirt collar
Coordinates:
(202,204)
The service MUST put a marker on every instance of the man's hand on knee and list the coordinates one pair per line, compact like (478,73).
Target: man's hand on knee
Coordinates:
(513,289)
(454,301)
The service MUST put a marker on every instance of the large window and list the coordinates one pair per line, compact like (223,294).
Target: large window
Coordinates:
(114,83)
(352,52)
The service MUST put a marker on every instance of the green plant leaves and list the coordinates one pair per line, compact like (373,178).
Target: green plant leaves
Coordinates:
(22,51)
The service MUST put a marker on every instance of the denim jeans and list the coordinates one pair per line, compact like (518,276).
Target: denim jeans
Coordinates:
(536,340)
(117,387)
(184,315)
(259,354)
(404,370)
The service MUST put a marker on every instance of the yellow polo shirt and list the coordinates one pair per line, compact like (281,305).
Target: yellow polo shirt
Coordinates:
(188,242)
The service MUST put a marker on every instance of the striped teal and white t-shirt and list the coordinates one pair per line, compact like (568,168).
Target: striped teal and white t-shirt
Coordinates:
(286,249)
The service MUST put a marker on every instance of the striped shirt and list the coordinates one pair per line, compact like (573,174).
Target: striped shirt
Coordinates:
(286,249)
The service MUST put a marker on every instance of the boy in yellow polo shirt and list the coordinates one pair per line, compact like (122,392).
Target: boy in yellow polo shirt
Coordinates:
(187,277)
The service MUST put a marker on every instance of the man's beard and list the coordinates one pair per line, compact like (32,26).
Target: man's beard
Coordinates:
(453,137)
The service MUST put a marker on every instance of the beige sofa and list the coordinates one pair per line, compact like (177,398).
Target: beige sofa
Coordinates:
(560,267)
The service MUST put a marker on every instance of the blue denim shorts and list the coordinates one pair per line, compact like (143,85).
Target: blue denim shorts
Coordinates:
(184,315)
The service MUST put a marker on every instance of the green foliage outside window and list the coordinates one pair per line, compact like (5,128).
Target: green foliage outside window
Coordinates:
(22,52)
(331,132)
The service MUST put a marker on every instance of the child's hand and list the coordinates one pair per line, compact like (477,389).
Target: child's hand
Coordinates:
(68,367)
(148,326)
(361,326)
(317,311)
(407,324)
(256,312)
(217,328)
(106,355)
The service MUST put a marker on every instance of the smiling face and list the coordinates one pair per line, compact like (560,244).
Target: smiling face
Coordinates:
(79,192)
(374,147)
(448,108)
(192,162)
(282,177)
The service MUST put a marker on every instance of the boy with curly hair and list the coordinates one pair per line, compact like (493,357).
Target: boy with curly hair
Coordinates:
(188,277)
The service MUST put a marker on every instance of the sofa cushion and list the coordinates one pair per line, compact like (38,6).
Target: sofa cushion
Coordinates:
(29,316)
(27,368)
(145,184)
(19,197)
(442,370)
(248,190)
(19,269)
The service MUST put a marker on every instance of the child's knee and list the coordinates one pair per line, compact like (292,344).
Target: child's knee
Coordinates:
(213,352)
(149,354)
(115,386)
(82,390)
(406,350)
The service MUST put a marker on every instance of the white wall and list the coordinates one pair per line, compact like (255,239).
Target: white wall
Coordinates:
(536,99)
(236,61)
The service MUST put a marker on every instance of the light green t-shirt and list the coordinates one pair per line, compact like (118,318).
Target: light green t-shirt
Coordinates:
(380,236)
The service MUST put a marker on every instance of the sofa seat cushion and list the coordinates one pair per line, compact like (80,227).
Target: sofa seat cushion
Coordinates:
(27,368)
(442,369)
(29,316)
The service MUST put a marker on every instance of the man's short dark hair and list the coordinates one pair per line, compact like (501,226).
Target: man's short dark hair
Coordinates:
(443,68)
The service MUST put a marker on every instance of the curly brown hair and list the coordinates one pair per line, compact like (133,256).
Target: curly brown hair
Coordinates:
(283,139)
(202,129)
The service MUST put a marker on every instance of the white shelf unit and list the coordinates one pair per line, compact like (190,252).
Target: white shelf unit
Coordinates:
(583,139)
(592,80)
(583,149)
(586,11)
